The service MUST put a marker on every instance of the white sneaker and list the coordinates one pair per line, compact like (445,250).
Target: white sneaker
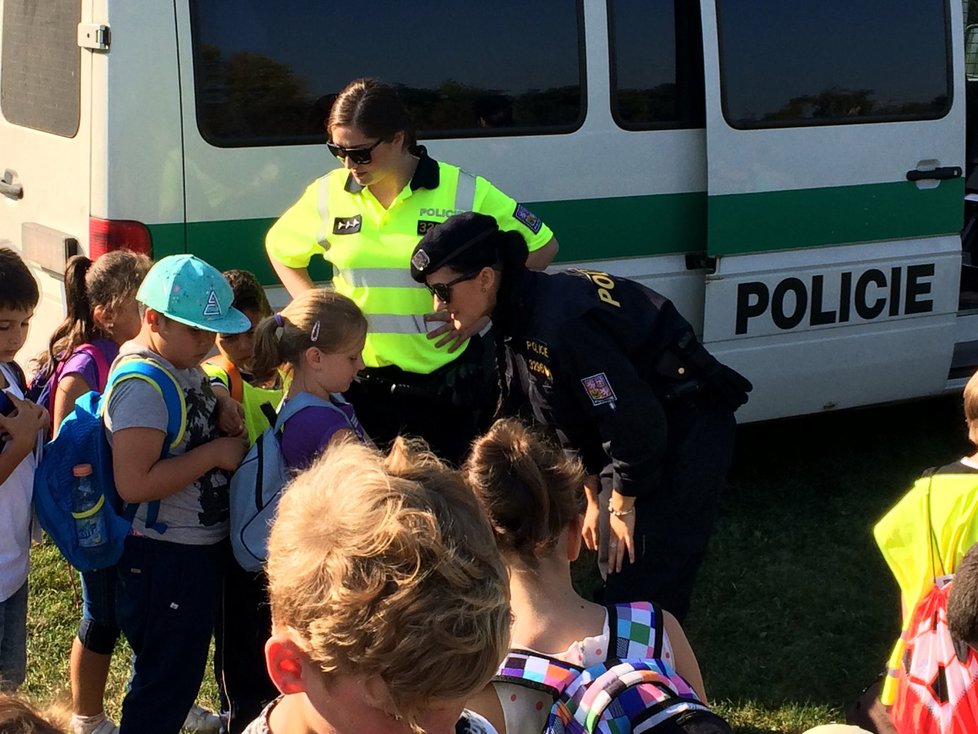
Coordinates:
(93,725)
(201,720)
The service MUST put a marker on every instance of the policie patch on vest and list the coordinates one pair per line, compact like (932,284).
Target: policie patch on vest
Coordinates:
(531,220)
(347,225)
(425,226)
(599,389)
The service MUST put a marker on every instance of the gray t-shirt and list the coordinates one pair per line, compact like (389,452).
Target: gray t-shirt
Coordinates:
(197,514)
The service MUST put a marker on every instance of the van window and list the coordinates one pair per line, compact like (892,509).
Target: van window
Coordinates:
(656,63)
(832,62)
(40,84)
(464,69)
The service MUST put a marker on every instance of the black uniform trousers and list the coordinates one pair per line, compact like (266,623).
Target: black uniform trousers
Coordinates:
(448,408)
(674,521)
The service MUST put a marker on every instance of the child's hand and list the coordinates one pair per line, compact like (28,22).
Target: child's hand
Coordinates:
(22,426)
(230,414)
(227,452)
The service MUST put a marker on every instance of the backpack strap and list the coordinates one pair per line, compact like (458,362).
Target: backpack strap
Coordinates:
(19,375)
(637,631)
(540,672)
(235,380)
(300,402)
(176,417)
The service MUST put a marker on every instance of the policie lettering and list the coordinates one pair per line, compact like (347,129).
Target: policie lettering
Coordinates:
(869,294)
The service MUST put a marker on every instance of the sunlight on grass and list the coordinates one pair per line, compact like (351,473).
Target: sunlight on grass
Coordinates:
(794,610)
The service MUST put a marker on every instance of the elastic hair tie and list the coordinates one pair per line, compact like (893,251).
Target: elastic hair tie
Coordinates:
(279,321)
(279,326)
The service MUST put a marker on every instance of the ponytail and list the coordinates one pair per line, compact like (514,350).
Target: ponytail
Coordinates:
(268,355)
(78,326)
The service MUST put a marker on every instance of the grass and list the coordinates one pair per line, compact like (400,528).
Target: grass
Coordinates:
(794,611)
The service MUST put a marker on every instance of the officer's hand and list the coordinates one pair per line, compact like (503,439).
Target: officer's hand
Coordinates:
(621,540)
(446,333)
(589,529)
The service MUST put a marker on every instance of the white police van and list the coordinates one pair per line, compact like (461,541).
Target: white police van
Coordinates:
(790,173)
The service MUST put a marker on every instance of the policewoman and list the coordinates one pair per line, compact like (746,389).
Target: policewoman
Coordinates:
(423,375)
(617,373)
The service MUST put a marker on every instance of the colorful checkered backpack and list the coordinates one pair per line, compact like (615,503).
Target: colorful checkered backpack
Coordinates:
(634,690)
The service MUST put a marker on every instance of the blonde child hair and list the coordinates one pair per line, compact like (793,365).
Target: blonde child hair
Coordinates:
(19,717)
(387,568)
(318,318)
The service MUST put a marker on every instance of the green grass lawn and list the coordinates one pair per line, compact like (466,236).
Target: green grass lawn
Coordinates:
(794,611)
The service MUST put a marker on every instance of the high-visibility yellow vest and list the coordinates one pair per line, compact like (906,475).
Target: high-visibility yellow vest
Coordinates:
(370,249)
(905,540)
(251,400)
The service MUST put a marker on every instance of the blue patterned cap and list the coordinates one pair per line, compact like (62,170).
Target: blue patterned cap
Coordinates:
(186,289)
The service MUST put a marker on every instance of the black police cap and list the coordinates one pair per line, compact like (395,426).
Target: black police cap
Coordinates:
(443,244)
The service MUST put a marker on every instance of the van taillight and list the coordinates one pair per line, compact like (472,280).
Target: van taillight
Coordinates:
(106,235)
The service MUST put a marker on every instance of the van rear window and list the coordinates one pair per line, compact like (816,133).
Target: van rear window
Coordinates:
(40,83)
(833,62)
(266,72)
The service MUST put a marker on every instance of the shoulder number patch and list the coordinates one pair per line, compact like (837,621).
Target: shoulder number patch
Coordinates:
(599,389)
(347,225)
(531,220)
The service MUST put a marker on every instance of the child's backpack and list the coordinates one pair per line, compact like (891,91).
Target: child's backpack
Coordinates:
(82,440)
(44,384)
(634,689)
(257,486)
(937,681)
(235,380)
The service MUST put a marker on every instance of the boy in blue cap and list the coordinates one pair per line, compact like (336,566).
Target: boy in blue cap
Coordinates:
(169,575)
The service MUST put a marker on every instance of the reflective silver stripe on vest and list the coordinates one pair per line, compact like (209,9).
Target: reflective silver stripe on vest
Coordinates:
(386,323)
(378,277)
(324,230)
(465,192)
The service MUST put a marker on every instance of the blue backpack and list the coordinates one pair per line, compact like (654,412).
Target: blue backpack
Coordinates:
(257,486)
(82,440)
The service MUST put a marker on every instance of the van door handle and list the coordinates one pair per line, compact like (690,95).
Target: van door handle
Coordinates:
(10,187)
(934,173)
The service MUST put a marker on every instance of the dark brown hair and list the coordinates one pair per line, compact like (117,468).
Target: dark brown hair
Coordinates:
(529,488)
(372,107)
(18,289)
(107,282)
(248,293)
(962,603)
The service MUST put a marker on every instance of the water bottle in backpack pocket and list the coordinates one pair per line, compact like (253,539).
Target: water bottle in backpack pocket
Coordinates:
(67,510)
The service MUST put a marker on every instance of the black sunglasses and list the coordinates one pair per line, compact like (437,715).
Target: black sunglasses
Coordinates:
(443,291)
(361,156)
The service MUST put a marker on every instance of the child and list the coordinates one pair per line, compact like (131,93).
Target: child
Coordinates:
(169,575)
(19,717)
(532,494)
(962,602)
(231,369)
(389,598)
(102,314)
(926,534)
(242,627)
(318,339)
(19,438)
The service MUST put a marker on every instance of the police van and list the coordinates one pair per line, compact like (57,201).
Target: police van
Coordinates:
(791,174)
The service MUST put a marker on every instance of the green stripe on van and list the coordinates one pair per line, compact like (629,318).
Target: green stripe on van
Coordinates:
(780,220)
(640,226)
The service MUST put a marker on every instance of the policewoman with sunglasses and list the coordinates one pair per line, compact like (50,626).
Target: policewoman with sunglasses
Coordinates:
(423,376)
(617,373)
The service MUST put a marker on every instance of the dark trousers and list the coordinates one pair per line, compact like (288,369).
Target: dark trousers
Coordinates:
(166,600)
(674,521)
(447,408)
(243,627)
